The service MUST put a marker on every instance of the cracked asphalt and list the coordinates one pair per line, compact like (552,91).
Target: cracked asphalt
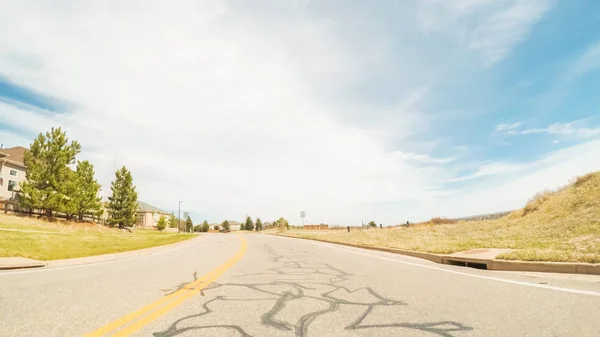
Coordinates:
(290,287)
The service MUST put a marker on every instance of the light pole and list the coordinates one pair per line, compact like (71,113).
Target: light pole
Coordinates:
(179,218)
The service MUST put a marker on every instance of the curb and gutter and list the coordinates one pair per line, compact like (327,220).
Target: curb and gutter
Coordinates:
(489,264)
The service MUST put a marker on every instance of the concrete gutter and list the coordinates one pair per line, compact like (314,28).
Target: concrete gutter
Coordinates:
(462,259)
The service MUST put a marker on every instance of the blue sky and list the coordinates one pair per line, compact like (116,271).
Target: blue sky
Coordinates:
(349,111)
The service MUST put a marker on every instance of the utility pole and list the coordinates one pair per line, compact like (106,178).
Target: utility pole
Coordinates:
(179,218)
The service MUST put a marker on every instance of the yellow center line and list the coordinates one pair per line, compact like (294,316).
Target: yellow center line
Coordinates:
(170,301)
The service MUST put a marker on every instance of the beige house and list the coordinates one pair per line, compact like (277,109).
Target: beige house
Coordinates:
(147,216)
(12,170)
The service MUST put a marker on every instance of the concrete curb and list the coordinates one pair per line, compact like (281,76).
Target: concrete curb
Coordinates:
(10,263)
(96,258)
(489,264)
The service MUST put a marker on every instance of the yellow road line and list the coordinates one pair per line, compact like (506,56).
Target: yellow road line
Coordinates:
(170,301)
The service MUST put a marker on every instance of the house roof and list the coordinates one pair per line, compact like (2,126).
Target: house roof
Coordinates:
(147,208)
(15,155)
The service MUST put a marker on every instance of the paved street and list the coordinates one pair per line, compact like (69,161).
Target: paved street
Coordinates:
(273,286)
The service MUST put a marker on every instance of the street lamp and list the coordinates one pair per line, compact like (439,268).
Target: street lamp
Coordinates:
(179,218)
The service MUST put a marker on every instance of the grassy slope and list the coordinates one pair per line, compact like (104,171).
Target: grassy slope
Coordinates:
(73,239)
(558,226)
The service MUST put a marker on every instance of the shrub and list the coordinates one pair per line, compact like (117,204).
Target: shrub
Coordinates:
(162,224)
(440,221)
(536,202)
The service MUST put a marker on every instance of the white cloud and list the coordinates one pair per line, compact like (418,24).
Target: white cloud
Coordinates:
(491,28)
(212,105)
(491,170)
(238,110)
(570,129)
(507,126)
(588,62)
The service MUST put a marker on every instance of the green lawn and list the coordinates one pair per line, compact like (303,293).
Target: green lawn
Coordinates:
(74,240)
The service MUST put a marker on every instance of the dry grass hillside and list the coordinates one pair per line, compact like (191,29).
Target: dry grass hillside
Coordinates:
(562,225)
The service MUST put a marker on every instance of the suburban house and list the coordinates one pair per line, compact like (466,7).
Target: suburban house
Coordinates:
(147,216)
(12,170)
(233,225)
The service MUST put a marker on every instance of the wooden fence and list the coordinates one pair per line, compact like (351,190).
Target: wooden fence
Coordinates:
(9,206)
(316,227)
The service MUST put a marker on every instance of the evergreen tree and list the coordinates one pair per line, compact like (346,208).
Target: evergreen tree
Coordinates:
(225,225)
(249,226)
(84,199)
(259,224)
(188,224)
(205,226)
(49,179)
(161,224)
(122,204)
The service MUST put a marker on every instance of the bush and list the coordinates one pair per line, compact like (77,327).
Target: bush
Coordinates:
(162,224)
(441,221)
(534,203)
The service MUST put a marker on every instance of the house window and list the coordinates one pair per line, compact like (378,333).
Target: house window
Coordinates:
(139,219)
(11,185)
(13,173)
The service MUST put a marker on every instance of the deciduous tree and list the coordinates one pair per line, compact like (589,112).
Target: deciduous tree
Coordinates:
(161,224)
(172,221)
(205,226)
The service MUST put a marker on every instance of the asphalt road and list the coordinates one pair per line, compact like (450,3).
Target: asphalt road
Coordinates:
(272,286)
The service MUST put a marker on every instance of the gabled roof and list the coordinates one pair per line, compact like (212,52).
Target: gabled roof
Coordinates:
(15,155)
(147,208)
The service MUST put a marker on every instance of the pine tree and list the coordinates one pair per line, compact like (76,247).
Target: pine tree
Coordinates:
(49,179)
(259,224)
(161,224)
(205,226)
(188,224)
(123,202)
(249,226)
(225,225)
(84,198)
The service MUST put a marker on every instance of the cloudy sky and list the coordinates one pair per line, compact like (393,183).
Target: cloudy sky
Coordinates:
(349,110)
